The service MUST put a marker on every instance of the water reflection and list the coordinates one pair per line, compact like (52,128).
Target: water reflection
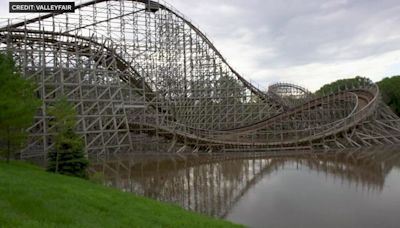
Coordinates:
(213,184)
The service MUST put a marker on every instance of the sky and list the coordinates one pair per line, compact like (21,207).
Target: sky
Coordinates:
(306,42)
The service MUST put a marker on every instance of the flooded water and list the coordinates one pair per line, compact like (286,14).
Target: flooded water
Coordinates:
(358,188)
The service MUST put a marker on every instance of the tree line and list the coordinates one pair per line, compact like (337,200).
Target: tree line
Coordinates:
(389,88)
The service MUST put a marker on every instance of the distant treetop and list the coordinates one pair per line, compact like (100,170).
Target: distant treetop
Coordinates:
(389,88)
(343,84)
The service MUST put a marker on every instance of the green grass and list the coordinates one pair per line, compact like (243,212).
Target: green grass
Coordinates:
(31,197)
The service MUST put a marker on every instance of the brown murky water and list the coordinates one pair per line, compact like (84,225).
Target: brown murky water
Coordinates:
(359,188)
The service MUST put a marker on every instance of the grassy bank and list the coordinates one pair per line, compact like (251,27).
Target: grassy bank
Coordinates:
(31,197)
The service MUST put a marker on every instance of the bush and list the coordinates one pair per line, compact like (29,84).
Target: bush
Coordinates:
(67,157)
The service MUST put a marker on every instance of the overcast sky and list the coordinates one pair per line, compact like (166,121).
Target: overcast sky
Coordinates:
(307,42)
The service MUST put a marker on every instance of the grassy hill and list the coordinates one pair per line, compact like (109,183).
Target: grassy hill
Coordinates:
(31,197)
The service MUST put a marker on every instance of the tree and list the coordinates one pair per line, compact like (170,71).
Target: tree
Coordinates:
(343,84)
(388,87)
(230,90)
(67,157)
(17,106)
(390,90)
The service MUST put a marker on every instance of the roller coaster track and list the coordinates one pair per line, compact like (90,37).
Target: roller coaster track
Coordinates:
(122,65)
(287,93)
(155,4)
(143,76)
(87,47)
(365,104)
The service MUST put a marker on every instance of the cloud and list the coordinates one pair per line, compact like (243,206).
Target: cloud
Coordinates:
(305,42)
(314,75)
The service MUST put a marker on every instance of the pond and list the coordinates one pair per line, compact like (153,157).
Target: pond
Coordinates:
(348,188)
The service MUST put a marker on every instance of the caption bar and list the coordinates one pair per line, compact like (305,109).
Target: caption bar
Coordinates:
(42,7)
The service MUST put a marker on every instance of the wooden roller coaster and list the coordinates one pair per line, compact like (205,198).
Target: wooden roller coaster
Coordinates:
(143,78)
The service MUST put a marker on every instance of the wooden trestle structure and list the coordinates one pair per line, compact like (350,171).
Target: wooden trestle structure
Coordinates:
(143,78)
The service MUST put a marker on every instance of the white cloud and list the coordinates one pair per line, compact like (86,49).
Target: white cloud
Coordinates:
(309,43)
(333,4)
(313,75)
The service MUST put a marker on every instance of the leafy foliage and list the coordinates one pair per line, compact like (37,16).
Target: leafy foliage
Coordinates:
(68,156)
(390,90)
(17,106)
(230,90)
(343,84)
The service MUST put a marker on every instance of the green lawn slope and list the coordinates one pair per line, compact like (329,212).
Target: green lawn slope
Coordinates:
(31,197)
